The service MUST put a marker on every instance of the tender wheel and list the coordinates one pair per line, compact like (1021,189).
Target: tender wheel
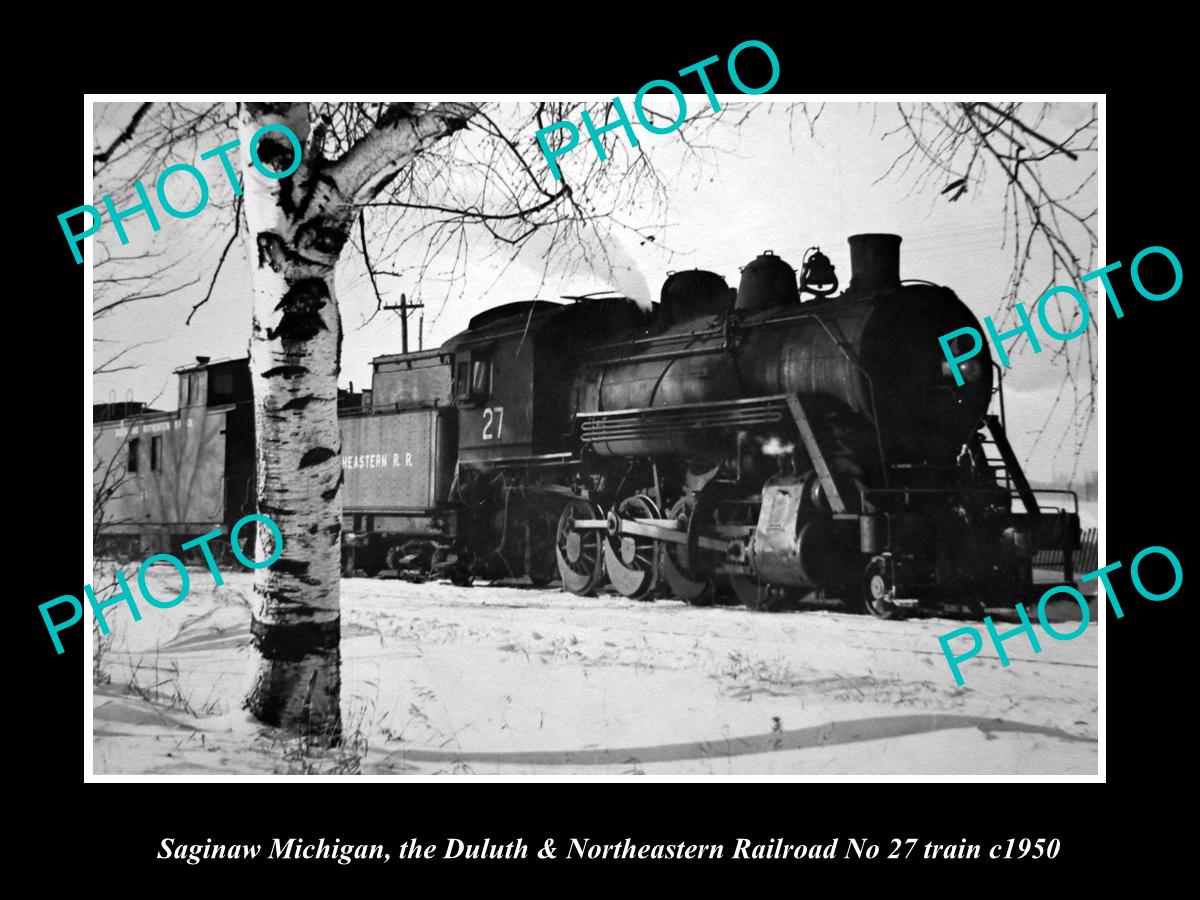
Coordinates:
(540,579)
(976,608)
(580,553)
(878,590)
(542,565)
(632,562)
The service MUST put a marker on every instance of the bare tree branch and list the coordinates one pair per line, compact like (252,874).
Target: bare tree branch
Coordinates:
(237,222)
(362,226)
(99,159)
(951,149)
(402,133)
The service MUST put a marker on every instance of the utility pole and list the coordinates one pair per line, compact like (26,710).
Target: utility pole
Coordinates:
(403,309)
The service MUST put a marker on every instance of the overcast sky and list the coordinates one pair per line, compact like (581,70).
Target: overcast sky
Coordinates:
(777,188)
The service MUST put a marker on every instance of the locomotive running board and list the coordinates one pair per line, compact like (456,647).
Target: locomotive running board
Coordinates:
(544,459)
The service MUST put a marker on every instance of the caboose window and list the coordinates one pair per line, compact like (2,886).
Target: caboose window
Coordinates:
(155,452)
(132,464)
(189,389)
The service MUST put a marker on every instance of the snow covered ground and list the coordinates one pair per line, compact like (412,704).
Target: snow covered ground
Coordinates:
(511,680)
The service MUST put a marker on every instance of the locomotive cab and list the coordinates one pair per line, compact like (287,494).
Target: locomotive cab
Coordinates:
(493,366)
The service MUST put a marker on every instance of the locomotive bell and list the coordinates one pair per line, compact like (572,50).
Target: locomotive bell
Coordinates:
(817,275)
(874,262)
(766,282)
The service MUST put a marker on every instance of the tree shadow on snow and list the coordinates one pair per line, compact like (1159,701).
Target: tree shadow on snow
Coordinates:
(825,735)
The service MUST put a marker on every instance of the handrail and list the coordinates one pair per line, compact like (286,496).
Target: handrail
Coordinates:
(1074,495)
(999,389)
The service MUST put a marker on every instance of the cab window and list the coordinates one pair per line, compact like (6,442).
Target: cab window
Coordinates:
(474,377)
(481,378)
(464,382)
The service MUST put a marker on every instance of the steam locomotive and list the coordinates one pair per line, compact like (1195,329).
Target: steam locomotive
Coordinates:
(762,444)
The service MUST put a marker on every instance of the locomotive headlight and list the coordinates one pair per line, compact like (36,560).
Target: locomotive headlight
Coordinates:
(972,370)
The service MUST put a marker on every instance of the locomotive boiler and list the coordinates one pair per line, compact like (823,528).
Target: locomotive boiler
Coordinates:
(748,441)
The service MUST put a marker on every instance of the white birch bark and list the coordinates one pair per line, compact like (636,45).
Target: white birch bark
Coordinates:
(295,347)
(296,228)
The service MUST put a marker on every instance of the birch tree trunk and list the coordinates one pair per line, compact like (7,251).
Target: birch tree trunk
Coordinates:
(295,350)
(296,228)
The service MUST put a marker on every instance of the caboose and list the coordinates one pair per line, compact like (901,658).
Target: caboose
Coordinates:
(162,478)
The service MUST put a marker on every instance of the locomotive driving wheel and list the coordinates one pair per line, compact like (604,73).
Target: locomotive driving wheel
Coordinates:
(879,589)
(580,553)
(698,592)
(632,561)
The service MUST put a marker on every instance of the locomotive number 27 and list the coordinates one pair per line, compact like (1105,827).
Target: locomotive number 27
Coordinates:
(493,415)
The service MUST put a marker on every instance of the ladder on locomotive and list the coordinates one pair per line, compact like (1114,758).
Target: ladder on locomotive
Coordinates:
(1005,467)
(1054,529)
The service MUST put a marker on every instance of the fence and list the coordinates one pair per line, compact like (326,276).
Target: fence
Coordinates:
(1086,557)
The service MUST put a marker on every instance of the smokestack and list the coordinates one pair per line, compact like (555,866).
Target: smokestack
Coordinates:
(874,262)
